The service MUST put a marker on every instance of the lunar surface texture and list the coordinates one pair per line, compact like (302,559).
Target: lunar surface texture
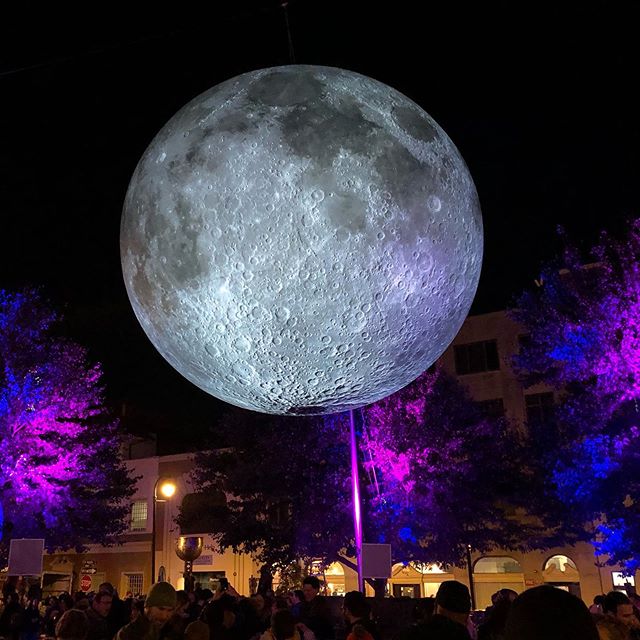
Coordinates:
(301,240)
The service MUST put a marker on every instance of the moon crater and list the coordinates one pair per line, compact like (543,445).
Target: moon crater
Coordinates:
(301,240)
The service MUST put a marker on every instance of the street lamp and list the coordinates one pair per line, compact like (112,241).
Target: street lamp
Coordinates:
(163,489)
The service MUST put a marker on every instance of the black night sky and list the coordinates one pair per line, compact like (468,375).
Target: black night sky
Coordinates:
(540,101)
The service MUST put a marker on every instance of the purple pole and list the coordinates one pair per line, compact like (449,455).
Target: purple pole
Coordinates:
(355,482)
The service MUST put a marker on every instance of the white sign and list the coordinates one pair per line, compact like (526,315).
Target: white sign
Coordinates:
(89,566)
(25,557)
(376,560)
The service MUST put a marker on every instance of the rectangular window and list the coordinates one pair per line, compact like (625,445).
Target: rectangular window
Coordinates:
(619,579)
(134,583)
(493,408)
(539,408)
(476,357)
(139,515)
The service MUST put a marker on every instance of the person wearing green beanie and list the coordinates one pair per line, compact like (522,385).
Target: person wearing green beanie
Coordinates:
(162,594)
(152,625)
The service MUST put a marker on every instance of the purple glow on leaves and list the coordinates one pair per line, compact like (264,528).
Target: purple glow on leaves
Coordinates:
(439,464)
(593,323)
(584,326)
(60,469)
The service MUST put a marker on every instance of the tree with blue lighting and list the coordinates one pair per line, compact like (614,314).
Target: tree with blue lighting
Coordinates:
(62,477)
(584,342)
(447,475)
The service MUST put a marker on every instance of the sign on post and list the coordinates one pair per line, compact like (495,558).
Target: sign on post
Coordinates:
(376,560)
(85,583)
(25,557)
(89,566)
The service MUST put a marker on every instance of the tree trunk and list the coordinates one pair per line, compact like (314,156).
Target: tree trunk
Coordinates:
(380,587)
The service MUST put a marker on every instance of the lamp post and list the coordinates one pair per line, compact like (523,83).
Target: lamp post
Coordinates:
(163,489)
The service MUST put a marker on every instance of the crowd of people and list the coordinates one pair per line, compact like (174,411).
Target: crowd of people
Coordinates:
(540,613)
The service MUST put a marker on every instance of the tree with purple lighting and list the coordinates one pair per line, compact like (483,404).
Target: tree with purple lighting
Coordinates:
(584,342)
(61,473)
(437,475)
(447,476)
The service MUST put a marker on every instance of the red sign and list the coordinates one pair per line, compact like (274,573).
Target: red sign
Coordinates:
(85,583)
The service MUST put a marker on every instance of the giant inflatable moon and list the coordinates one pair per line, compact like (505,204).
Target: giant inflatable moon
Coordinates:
(301,240)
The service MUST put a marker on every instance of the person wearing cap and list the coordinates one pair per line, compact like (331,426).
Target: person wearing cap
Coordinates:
(452,608)
(158,609)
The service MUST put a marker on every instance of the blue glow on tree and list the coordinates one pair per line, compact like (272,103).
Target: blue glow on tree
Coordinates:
(584,341)
(62,477)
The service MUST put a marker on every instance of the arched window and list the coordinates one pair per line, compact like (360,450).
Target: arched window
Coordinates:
(416,579)
(418,568)
(560,563)
(427,569)
(334,569)
(497,564)
(561,570)
(493,573)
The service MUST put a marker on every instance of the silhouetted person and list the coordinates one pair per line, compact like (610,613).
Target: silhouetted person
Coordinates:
(221,614)
(547,613)
(283,627)
(494,624)
(453,605)
(296,598)
(98,615)
(421,614)
(596,607)
(11,618)
(618,617)
(119,613)
(72,625)
(314,612)
(31,621)
(357,614)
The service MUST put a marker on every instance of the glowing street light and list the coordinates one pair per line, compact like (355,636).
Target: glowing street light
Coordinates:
(163,490)
(166,489)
